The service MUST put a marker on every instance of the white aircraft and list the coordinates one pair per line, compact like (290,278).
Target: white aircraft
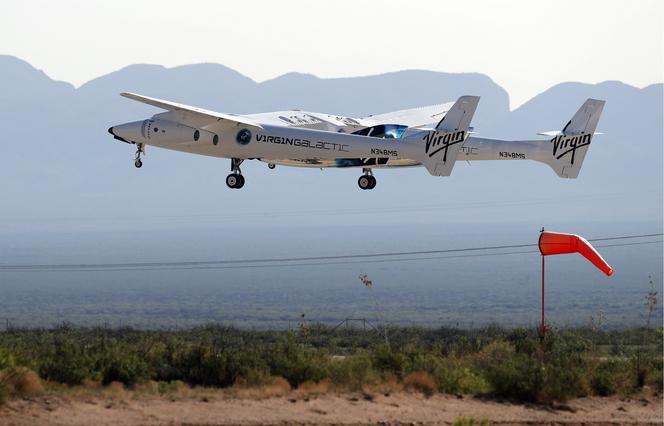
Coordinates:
(434,136)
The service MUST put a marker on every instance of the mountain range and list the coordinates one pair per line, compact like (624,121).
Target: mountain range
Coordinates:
(70,194)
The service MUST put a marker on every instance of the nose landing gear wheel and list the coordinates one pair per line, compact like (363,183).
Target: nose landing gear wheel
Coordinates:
(366,182)
(140,149)
(235,181)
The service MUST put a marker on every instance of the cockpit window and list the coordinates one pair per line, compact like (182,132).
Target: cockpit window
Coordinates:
(385,131)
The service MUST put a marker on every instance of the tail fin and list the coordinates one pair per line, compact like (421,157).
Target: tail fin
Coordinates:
(443,144)
(569,147)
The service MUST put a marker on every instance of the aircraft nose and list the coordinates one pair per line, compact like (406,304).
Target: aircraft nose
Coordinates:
(127,132)
(111,130)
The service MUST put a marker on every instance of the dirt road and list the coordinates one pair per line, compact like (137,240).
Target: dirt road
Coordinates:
(397,408)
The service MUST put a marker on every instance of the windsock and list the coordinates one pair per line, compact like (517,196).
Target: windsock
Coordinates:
(551,243)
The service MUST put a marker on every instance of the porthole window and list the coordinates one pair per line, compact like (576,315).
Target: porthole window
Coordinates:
(156,129)
(197,135)
(215,140)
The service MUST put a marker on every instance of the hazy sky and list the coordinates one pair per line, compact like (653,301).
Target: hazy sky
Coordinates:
(525,46)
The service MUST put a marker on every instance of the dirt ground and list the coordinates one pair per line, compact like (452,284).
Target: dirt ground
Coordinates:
(396,408)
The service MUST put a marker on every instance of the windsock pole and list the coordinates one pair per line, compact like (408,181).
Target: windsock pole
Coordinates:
(543,323)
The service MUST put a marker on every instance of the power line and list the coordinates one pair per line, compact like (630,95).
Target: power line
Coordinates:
(310,260)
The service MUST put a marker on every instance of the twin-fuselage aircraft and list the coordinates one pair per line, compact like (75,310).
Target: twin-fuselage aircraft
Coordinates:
(434,137)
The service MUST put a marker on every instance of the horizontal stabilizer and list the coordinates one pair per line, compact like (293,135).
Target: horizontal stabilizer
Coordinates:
(558,132)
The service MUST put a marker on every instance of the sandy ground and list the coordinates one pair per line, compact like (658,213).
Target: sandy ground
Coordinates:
(398,408)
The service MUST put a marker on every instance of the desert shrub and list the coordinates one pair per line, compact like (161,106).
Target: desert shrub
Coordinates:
(68,363)
(556,371)
(386,360)
(7,359)
(655,374)
(125,367)
(295,363)
(453,377)
(21,382)
(513,363)
(220,366)
(450,374)
(353,372)
(420,381)
(510,374)
(612,376)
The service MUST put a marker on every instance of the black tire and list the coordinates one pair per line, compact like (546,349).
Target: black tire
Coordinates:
(232,180)
(373,182)
(364,182)
(271,166)
(138,164)
(240,182)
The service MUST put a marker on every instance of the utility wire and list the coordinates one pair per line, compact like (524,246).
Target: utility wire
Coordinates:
(310,260)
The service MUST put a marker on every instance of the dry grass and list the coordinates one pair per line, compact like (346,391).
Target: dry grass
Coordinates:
(150,388)
(21,382)
(421,382)
(388,386)
(315,388)
(277,387)
(90,384)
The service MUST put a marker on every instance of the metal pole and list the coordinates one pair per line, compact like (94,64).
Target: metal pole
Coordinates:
(543,324)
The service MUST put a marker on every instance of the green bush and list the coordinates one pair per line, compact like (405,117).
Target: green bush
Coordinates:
(510,374)
(387,360)
(555,371)
(68,363)
(219,366)
(128,368)
(290,360)
(353,372)
(511,363)
(7,360)
(604,380)
(451,375)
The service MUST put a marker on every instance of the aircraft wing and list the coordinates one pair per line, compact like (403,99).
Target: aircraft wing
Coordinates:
(414,117)
(190,115)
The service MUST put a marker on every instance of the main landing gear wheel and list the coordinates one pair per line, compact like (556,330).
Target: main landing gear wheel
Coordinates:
(235,181)
(271,166)
(366,182)
(138,164)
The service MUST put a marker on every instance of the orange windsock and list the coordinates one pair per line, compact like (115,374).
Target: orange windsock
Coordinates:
(551,243)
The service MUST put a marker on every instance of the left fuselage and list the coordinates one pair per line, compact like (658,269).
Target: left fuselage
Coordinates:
(313,142)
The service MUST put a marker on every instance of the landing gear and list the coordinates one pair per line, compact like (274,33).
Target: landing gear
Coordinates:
(271,166)
(235,180)
(367,180)
(140,149)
